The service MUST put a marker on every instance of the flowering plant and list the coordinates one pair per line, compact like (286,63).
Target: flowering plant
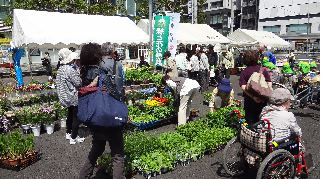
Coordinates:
(47,114)
(152,103)
(161,100)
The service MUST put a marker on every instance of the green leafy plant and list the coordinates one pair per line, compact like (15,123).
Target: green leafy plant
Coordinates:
(105,161)
(207,96)
(138,143)
(17,145)
(154,161)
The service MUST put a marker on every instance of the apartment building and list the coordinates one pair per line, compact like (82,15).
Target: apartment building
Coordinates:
(249,14)
(294,20)
(218,14)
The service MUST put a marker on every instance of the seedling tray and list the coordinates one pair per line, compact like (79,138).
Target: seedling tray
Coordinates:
(22,164)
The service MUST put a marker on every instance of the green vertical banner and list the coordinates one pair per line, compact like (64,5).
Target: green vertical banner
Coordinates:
(160,38)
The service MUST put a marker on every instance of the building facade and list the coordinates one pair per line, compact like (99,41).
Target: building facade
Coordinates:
(218,14)
(249,14)
(4,8)
(297,21)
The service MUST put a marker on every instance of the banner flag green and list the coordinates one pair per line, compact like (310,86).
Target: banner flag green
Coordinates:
(160,38)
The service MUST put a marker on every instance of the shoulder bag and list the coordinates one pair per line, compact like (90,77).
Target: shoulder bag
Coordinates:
(101,109)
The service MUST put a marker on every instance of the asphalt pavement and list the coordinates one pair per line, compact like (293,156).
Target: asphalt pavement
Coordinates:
(60,160)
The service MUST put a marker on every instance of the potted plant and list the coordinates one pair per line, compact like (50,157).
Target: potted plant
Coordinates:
(61,113)
(16,149)
(22,116)
(48,118)
(35,122)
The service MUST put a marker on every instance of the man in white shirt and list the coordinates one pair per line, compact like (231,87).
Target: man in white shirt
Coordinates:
(195,65)
(185,89)
(182,62)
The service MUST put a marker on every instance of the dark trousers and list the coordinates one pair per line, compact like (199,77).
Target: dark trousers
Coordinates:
(194,75)
(252,110)
(226,73)
(203,80)
(115,138)
(72,123)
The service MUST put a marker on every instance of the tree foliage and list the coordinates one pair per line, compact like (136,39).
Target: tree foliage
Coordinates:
(179,6)
(102,7)
(105,7)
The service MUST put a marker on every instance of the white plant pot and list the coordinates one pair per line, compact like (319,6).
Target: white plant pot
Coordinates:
(25,127)
(36,130)
(50,128)
(63,122)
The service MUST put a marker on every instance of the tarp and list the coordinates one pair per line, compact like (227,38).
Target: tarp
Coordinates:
(192,33)
(48,29)
(252,37)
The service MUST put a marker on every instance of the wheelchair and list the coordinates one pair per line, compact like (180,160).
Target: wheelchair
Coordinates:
(255,148)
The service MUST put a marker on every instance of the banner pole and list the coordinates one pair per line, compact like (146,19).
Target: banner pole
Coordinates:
(150,29)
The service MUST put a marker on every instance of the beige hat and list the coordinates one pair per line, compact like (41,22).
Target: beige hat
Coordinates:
(63,53)
(70,58)
(280,96)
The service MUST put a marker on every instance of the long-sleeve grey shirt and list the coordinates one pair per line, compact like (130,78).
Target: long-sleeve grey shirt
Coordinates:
(68,81)
(283,122)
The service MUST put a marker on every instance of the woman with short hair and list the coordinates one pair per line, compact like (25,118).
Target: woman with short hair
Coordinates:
(253,104)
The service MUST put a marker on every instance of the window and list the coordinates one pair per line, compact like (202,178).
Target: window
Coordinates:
(298,28)
(274,29)
(216,19)
(4,2)
(216,4)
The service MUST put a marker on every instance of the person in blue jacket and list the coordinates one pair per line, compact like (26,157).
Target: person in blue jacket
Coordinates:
(270,55)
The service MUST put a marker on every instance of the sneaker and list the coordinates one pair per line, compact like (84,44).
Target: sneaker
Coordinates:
(76,140)
(68,136)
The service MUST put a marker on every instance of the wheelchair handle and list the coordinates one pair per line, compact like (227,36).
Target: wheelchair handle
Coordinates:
(263,122)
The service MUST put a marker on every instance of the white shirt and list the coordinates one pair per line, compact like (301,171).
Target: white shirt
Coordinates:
(187,86)
(204,65)
(181,61)
(194,63)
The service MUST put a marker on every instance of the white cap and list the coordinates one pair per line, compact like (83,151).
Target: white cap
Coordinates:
(63,53)
(70,58)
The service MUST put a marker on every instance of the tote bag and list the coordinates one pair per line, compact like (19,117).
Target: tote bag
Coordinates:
(258,86)
(101,109)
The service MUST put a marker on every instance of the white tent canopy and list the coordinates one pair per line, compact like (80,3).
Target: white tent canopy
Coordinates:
(48,29)
(192,33)
(251,37)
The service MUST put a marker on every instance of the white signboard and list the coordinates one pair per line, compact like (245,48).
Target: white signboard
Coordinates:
(173,29)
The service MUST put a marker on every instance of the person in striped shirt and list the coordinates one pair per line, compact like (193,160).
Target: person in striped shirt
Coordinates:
(68,82)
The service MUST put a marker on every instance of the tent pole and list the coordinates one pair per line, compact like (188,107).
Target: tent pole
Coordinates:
(29,59)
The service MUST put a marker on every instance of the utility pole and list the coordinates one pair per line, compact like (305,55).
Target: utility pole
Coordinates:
(150,28)
(307,31)
(194,12)
(241,14)
(232,16)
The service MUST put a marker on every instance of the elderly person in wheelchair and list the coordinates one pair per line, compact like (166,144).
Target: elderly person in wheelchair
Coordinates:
(272,146)
(283,122)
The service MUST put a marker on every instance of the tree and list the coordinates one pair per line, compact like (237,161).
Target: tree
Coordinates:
(103,7)
(179,6)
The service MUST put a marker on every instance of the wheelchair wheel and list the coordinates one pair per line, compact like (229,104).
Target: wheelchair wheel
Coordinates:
(278,164)
(233,158)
